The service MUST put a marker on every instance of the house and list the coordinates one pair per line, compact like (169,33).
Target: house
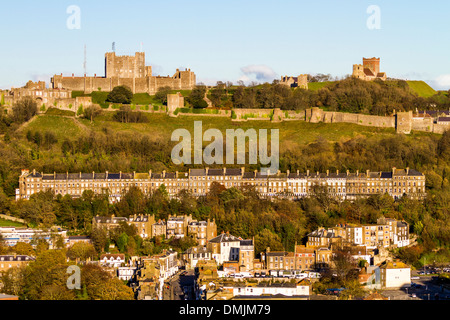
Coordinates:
(143,224)
(13,235)
(324,238)
(192,255)
(11,261)
(71,240)
(159,228)
(126,273)
(395,274)
(224,247)
(112,260)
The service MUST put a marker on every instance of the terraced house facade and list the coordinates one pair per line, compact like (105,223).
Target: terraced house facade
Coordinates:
(342,185)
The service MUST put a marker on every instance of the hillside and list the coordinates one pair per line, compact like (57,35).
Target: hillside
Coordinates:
(421,88)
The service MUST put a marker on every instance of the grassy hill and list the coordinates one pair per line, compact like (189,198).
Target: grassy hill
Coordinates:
(421,88)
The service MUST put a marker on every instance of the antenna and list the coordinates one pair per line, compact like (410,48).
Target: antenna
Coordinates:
(85,59)
(114,47)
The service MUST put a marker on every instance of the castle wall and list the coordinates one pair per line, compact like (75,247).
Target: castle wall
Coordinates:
(252,114)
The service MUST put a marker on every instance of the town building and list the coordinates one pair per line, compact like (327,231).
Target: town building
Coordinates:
(71,240)
(395,274)
(226,247)
(350,186)
(112,260)
(9,261)
(194,254)
(13,235)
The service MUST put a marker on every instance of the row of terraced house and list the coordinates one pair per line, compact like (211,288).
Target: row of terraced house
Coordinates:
(342,185)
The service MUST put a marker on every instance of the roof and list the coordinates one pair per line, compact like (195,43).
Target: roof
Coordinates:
(394,265)
(225,237)
(17,257)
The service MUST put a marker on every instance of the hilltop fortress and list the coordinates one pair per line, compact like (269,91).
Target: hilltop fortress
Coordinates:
(130,71)
(369,70)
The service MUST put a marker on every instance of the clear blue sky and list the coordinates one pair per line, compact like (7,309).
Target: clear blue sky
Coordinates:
(227,40)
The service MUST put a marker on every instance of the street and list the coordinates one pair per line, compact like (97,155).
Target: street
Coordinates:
(424,288)
(180,286)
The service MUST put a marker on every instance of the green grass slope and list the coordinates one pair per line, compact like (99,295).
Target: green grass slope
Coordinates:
(421,88)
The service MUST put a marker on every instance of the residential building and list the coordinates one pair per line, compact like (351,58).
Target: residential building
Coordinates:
(325,238)
(143,224)
(112,260)
(396,183)
(395,274)
(126,273)
(224,247)
(13,235)
(159,228)
(192,255)
(12,260)
(71,240)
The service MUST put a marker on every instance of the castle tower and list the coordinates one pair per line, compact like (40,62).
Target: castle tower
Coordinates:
(303,81)
(373,64)
(358,71)
(125,66)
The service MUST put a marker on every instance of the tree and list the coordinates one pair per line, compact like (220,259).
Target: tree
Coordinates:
(120,94)
(266,238)
(81,251)
(343,265)
(100,285)
(46,277)
(24,109)
(99,238)
(196,97)
(161,94)
(23,248)
(92,112)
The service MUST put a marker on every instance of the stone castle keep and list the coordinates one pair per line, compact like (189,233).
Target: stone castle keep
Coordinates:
(369,70)
(130,71)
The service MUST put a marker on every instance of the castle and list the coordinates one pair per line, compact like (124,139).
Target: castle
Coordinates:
(369,70)
(301,81)
(130,71)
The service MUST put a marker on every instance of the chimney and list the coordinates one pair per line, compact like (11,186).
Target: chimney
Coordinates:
(407,170)
(298,172)
(367,172)
(287,172)
(307,173)
(337,172)
(164,173)
(348,172)
(242,171)
(328,173)
(149,174)
(206,170)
